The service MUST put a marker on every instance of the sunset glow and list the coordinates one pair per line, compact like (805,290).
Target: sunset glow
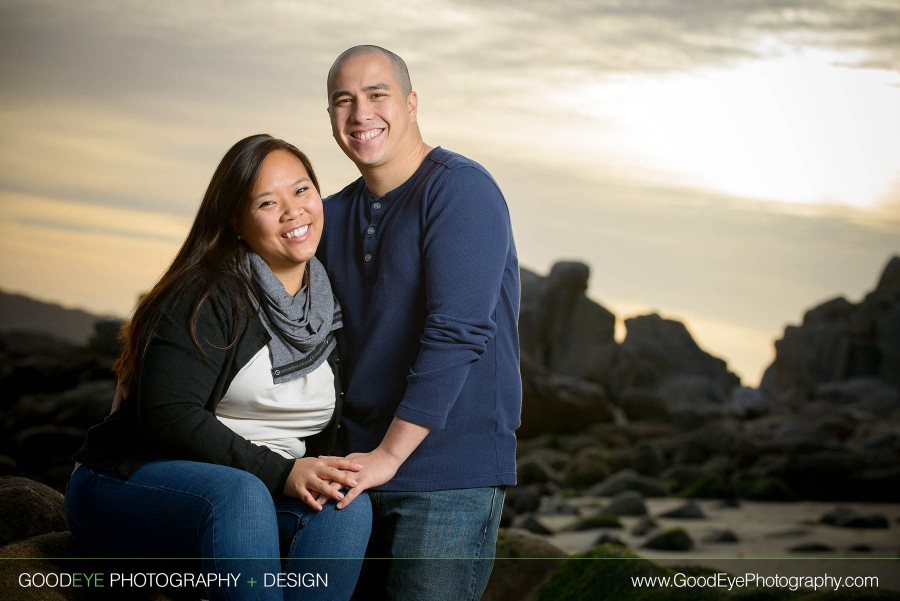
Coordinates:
(801,129)
(726,164)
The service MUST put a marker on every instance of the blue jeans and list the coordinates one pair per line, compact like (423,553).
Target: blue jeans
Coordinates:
(227,518)
(434,546)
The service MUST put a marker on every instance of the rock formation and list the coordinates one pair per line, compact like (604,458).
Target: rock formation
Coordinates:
(654,415)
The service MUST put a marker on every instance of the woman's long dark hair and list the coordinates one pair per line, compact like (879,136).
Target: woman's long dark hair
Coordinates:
(212,251)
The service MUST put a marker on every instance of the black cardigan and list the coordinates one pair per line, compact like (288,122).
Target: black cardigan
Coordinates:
(171,414)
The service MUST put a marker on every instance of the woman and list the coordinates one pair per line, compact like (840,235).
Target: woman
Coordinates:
(230,373)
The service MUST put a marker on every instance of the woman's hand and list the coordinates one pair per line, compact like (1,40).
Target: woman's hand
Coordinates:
(314,480)
(323,498)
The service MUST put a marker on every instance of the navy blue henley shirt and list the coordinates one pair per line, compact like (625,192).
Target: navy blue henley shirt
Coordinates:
(428,280)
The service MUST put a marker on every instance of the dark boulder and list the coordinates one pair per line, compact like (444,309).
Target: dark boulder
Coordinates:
(811,548)
(644,526)
(871,395)
(33,362)
(839,340)
(29,509)
(688,511)
(644,404)
(557,506)
(561,329)
(655,349)
(557,403)
(531,524)
(629,502)
(522,499)
(597,520)
(721,536)
(673,539)
(628,479)
(524,561)
(605,538)
(588,467)
(845,517)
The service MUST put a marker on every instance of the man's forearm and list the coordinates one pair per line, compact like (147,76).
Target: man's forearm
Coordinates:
(379,466)
(402,438)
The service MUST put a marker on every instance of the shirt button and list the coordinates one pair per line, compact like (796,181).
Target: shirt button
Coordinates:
(368,257)
(376,206)
(370,230)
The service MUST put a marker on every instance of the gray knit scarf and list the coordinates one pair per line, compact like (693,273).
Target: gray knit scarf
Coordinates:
(302,327)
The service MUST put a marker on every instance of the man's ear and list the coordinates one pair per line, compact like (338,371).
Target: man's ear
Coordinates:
(412,104)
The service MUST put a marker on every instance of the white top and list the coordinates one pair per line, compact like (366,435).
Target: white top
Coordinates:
(279,416)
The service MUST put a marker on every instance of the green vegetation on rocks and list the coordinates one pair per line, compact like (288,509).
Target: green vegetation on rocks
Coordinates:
(765,489)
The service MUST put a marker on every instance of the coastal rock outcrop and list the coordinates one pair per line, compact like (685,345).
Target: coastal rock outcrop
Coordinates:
(29,509)
(824,424)
(839,340)
(651,416)
(576,375)
(561,329)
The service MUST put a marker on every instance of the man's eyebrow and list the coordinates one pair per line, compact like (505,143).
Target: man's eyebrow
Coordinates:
(375,86)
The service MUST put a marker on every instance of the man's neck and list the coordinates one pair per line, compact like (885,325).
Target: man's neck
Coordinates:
(381,179)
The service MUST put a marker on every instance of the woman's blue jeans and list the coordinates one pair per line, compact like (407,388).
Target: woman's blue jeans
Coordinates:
(228,519)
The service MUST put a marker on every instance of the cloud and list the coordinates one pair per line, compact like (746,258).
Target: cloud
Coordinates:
(613,36)
(130,104)
(133,102)
(136,47)
(690,251)
(889,206)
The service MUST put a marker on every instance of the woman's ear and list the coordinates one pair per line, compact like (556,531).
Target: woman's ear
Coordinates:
(236,226)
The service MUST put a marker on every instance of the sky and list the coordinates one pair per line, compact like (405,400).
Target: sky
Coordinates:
(726,164)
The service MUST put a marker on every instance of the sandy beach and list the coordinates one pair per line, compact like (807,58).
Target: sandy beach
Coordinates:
(766,532)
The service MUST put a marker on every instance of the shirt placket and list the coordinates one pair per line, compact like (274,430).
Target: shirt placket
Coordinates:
(371,227)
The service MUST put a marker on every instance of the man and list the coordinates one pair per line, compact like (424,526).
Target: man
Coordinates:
(421,255)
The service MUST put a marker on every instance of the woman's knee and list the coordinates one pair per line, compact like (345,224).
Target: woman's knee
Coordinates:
(331,532)
(243,494)
(360,508)
(240,521)
(357,516)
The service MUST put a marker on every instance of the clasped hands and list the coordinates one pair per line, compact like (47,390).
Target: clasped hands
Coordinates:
(315,480)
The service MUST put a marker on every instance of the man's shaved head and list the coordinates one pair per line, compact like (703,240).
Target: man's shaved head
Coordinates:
(401,72)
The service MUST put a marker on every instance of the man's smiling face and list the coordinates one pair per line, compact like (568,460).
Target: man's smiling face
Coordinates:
(372,118)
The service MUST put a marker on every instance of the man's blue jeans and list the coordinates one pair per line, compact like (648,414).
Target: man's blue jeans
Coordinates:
(440,545)
(224,516)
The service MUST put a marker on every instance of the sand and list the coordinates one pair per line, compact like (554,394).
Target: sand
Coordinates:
(766,532)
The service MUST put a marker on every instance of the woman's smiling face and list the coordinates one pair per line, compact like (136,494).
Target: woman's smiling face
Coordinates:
(282,221)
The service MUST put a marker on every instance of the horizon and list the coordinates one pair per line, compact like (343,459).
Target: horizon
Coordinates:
(727,166)
(620,333)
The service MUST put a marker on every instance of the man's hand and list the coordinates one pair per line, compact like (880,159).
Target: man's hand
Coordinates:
(380,465)
(314,480)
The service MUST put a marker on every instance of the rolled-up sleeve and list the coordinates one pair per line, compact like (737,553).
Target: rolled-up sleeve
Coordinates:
(466,249)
